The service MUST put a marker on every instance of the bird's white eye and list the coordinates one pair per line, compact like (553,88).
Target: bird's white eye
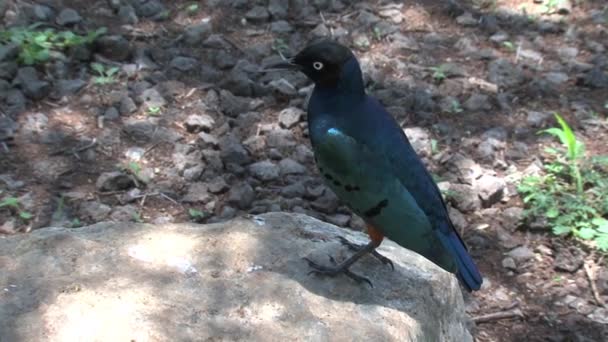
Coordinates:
(317,65)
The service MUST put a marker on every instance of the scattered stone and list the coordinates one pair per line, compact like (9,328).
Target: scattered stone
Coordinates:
(218,185)
(327,203)
(197,193)
(183,64)
(512,218)
(143,129)
(151,98)
(521,254)
(264,170)
(257,14)
(280,138)
(114,181)
(294,190)
(467,20)
(69,87)
(568,259)
(32,86)
(280,27)
(9,52)
(289,117)
(193,173)
(35,123)
(208,140)
(127,106)
(241,195)
(125,213)
(289,166)
(114,47)
(42,13)
(503,73)
(111,113)
(538,119)
(94,210)
(68,17)
(127,15)
(509,263)
(490,189)
(556,79)
(232,151)
(595,78)
(567,53)
(149,9)
(199,122)
(463,197)
(282,86)
(195,34)
(420,140)
(458,219)
(478,102)
(278,8)
(233,105)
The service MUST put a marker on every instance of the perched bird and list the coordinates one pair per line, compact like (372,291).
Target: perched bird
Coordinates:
(367,160)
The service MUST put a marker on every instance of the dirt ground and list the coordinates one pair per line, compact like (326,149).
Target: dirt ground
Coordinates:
(55,168)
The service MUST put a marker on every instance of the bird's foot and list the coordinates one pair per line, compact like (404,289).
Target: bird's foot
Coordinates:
(332,271)
(355,247)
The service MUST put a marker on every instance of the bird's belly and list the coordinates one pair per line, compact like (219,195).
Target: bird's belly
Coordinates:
(381,200)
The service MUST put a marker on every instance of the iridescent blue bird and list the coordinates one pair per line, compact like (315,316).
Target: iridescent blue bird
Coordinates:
(367,160)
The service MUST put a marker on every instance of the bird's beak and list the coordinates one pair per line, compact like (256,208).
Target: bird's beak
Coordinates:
(286,64)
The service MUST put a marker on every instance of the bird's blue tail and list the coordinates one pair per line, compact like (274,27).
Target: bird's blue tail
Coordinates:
(467,273)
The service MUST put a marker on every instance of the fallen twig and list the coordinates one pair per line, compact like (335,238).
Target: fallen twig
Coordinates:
(76,150)
(590,272)
(496,316)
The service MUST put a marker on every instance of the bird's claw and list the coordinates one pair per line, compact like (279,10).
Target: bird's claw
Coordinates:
(334,271)
(376,254)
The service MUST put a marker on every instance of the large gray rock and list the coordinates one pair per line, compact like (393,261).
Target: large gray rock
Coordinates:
(239,280)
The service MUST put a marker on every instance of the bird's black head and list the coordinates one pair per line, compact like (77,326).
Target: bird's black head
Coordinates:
(323,61)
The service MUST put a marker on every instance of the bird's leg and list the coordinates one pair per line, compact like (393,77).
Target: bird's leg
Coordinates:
(333,271)
(374,252)
(376,237)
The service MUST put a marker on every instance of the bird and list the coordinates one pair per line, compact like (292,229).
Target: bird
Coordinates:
(367,160)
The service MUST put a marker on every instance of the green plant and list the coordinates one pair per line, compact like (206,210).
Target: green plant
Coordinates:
(153,110)
(197,215)
(137,217)
(570,195)
(75,223)
(38,46)
(550,6)
(13,204)
(456,107)
(439,73)
(105,75)
(509,46)
(575,150)
(280,46)
(192,8)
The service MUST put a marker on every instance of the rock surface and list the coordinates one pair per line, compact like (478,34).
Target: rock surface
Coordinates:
(239,280)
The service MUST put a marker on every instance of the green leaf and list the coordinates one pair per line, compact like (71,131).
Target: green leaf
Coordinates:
(560,230)
(97,67)
(195,213)
(602,242)
(112,71)
(586,233)
(10,202)
(601,224)
(552,213)
(25,215)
